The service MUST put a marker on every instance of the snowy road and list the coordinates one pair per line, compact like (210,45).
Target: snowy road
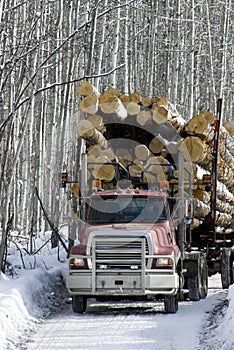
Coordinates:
(129,326)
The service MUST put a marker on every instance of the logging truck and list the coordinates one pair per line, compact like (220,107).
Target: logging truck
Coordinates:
(135,239)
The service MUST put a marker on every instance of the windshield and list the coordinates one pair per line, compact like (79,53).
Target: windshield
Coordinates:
(127,209)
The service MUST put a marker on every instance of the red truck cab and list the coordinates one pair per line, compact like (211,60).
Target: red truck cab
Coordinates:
(127,249)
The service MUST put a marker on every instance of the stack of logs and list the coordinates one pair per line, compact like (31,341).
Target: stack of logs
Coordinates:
(111,117)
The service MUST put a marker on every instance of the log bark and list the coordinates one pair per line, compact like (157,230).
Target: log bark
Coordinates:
(90,134)
(202,195)
(201,210)
(223,219)
(97,122)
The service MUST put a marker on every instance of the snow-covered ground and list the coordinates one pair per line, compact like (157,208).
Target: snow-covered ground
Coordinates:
(31,294)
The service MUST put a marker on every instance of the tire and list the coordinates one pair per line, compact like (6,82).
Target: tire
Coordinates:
(204,279)
(193,287)
(79,304)
(171,304)
(226,268)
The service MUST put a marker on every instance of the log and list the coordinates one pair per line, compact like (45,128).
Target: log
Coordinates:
(110,155)
(123,153)
(159,114)
(156,145)
(224,207)
(142,152)
(86,88)
(229,126)
(206,161)
(135,170)
(208,115)
(110,104)
(196,223)
(224,195)
(195,148)
(162,102)
(149,177)
(226,154)
(90,134)
(202,195)
(94,150)
(198,146)
(103,171)
(91,158)
(132,108)
(223,219)
(124,99)
(89,104)
(201,210)
(135,97)
(197,125)
(146,101)
(97,122)
(113,91)
(154,171)
(143,117)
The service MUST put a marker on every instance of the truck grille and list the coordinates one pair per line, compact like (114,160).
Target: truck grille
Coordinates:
(120,253)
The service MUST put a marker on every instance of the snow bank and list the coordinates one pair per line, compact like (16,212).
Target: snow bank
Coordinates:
(226,327)
(22,303)
(33,292)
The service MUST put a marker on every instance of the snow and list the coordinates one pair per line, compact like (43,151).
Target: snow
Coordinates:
(29,295)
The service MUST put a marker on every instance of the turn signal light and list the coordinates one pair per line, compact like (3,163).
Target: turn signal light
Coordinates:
(96,185)
(63,179)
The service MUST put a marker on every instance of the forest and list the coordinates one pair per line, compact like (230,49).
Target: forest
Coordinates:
(181,50)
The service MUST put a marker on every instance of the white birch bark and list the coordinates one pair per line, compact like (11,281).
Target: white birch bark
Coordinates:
(116,47)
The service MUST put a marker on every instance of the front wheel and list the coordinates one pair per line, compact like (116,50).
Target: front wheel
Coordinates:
(171,304)
(79,303)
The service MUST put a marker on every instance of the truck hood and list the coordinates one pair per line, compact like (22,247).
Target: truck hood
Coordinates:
(161,241)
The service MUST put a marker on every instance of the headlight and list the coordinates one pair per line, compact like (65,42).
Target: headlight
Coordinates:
(76,263)
(164,262)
